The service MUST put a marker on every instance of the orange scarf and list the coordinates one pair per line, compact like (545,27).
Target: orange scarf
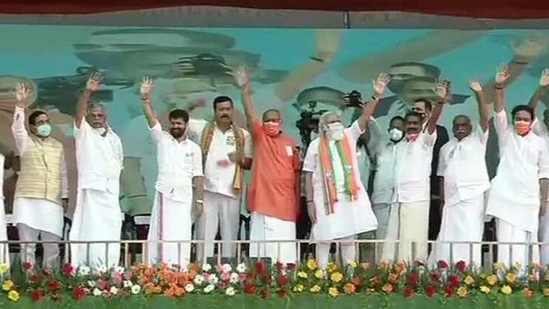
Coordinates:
(345,154)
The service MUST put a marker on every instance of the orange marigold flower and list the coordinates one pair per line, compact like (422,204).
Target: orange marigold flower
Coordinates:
(387,288)
(349,288)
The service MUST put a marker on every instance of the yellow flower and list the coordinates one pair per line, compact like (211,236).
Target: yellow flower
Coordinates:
(331,267)
(462,292)
(299,288)
(353,264)
(484,289)
(546,292)
(546,276)
(511,277)
(469,280)
(492,280)
(4,268)
(13,295)
(8,284)
(336,277)
(333,292)
(319,274)
(302,274)
(499,266)
(506,290)
(517,266)
(315,289)
(311,264)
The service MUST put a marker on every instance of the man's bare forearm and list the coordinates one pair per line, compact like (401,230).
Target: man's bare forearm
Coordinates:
(536,98)
(308,186)
(247,102)
(82,107)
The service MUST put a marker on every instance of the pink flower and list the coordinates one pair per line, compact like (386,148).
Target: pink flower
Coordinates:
(225,276)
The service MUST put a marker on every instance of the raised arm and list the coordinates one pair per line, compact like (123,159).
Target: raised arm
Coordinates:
(444,93)
(538,127)
(483,106)
(148,110)
(82,107)
(18,129)
(501,123)
(380,84)
(242,78)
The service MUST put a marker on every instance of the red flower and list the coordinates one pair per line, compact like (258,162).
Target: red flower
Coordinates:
(435,277)
(431,291)
(79,293)
(413,279)
(265,293)
(449,291)
(54,285)
(27,266)
(250,288)
(283,281)
(267,279)
(409,292)
(461,266)
(442,264)
(37,295)
(35,279)
(279,266)
(283,293)
(68,270)
(47,272)
(454,281)
(260,267)
(103,284)
(290,266)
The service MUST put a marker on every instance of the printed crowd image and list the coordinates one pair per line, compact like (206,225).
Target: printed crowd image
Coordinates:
(195,139)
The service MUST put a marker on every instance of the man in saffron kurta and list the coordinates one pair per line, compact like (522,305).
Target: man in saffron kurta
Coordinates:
(42,187)
(97,216)
(274,189)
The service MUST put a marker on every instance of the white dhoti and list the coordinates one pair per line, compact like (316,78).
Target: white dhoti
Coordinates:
(170,221)
(463,221)
(4,248)
(544,238)
(523,254)
(272,229)
(408,224)
(220,212)
(97,217)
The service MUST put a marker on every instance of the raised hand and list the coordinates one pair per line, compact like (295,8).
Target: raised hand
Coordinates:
(241,76)
(22,93)
(544,79)
(443,90)
(94,81)
(502,75)
(380,84)
(475,86)
(146,86)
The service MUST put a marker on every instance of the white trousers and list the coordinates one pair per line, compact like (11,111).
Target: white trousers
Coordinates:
(4,248)
(510,255)
(51,251)
(269,228)
(543,235)
(346,246)
(220,212)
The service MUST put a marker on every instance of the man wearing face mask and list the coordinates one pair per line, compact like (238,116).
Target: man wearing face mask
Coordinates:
(226,153)
(464,181)
(41,194)
(383,148)
(179,186)
(409,221)
(99,158)
(273,194)
(337,202)
(518,195)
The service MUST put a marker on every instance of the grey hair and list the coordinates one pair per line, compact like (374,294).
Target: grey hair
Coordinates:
(96,105)
(322,125)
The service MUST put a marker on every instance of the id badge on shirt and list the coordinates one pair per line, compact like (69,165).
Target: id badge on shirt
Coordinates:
(289,150)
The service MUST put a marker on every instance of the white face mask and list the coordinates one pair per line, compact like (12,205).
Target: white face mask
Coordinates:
(335,131)
(395,134)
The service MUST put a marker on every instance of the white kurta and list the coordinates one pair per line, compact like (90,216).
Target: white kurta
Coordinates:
(4,249)
(350,217)
(541,130)
(97,216)
(463,167)
(171,217)
(514,194)
(39,214)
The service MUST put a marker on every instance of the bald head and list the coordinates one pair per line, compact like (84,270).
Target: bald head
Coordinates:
(272,115)
(96,115)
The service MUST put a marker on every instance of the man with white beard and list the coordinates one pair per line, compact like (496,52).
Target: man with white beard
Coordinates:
(337,202)
(179,187)
(99,158)
(518,195)
(409,220)
(465,179)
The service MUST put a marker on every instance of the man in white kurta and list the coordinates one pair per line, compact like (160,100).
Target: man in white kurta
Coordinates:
(179,170)
(4,248)
(351,214)
(41,194)
(99,158)
(226,150)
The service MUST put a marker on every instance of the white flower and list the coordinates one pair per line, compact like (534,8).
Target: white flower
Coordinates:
(127,284)
(136,289)
(209,288)
(96,292)
(212,278)
(83,271)
(235,278)
(189,287)
(226,268)
(206,267)
(241,268)
(91,283)
(119,269)
(114,290)
(199,279)
(101,269)
(230,291)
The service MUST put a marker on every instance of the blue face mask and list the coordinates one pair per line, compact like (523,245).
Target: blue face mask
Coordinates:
(43,130)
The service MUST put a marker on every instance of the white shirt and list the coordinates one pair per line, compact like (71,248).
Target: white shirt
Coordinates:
(384,151)
(219,179)
(463,166)
(413,168)
(178,163)
(99,158)
(514,195)
(540,130)
(2,160)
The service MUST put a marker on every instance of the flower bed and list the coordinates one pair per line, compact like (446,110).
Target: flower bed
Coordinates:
(258,286)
